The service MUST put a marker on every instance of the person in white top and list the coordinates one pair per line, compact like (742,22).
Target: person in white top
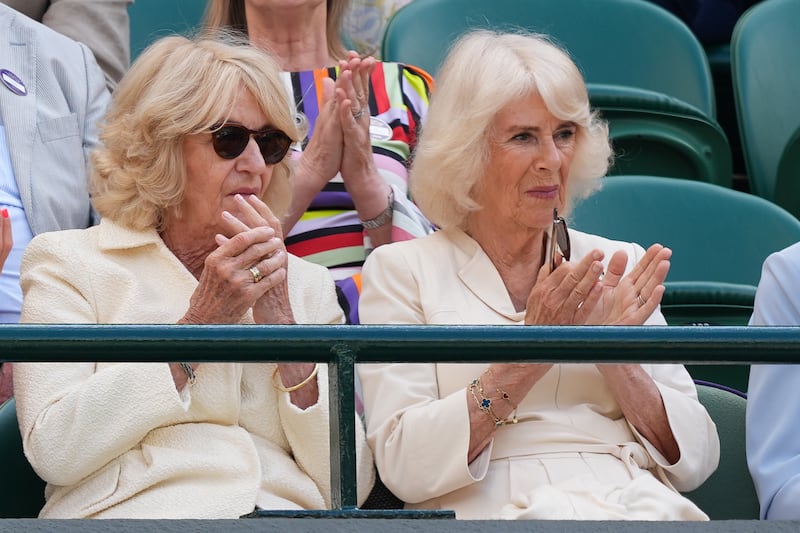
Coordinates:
(508,139)
(773,409)
(52,95)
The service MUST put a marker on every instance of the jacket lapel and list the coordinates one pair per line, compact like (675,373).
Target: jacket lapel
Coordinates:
(19,112)
(480,276)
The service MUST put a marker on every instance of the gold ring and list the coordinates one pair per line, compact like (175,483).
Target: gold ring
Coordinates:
(640,300)
(257,275)
(358,115)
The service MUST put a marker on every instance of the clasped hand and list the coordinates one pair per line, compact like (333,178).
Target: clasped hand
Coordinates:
(581,294)
(341,140)
(228,286)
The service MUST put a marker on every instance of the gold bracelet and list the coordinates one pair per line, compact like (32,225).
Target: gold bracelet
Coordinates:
(505,396)
(484,403)
(300,385)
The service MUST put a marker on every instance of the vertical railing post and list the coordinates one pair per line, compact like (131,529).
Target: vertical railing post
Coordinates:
(341,376)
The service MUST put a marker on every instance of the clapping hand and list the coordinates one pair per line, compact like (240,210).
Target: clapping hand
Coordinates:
(631,299)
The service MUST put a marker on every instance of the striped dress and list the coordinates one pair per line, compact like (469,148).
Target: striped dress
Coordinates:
(329,232)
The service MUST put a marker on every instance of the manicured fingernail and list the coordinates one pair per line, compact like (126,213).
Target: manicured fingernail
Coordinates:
(4,212)
(228,216)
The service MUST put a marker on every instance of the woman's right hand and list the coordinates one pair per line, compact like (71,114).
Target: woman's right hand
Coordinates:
(320,160)
(6,238)
(568,294)
(322,157)
(226,288)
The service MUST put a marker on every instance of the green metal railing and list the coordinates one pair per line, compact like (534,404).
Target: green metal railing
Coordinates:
(342,347)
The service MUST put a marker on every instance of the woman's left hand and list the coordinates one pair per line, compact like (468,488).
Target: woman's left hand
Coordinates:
(273,307)
(630,300)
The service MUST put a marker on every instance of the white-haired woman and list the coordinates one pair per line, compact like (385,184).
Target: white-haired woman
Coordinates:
(190,183)
(510,137)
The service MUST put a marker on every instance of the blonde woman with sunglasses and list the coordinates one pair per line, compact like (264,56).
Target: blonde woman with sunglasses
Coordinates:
(509,144)
(190,182)
(359,120)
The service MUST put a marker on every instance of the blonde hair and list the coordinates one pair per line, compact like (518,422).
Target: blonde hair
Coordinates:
(230,14)
(176,88)
(483,73)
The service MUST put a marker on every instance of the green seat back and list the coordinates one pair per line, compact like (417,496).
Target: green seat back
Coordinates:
(620,42)
(658,135)
(765,66)
(787,183)
(152,19)
(23,490)
(717,234)
(729,493)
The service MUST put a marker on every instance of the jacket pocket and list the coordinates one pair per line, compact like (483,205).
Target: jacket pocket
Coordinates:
(59,128)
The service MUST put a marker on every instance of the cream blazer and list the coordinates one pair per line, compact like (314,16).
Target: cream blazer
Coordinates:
(416,414)
(116,440)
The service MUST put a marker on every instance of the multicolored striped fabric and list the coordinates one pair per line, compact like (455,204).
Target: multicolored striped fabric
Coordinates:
(329,233)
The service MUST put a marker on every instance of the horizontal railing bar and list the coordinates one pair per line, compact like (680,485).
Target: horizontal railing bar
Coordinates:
(343,346)
(153,343)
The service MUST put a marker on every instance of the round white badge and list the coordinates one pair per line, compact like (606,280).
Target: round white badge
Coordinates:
(379,130)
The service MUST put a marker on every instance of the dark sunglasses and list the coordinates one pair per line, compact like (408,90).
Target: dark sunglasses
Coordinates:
(559,240)
(230,140)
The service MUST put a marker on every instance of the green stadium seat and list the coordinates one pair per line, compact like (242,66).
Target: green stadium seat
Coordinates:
(766,76)
(152,19)
(617,42)
(729,494)
(658,135)
(659,100)
(22,490)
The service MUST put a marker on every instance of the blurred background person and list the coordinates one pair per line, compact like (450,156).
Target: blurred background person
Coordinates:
(52,97)
(533,441)
(364,23)
(190,182)
(359,121)
(102,25)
